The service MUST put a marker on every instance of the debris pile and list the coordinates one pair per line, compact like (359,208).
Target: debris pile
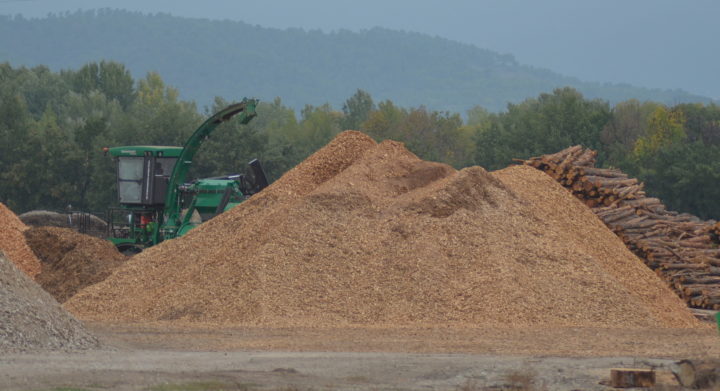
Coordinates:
(12,242)
(681,248)
(71,260)
(366,234)
(30,319)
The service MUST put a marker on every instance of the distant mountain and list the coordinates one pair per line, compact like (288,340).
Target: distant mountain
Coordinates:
(204,59)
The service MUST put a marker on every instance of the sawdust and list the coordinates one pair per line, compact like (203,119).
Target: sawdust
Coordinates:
(71,260)
(30,319)
(13,243)
(366,235)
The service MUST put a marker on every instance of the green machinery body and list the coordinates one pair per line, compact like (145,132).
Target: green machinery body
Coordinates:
(156,202)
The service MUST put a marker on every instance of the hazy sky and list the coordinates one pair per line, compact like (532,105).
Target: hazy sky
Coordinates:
(649,43)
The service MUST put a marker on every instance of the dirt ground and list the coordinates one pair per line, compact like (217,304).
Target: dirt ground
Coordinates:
(165,357)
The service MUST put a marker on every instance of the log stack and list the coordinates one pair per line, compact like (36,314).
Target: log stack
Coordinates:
(682,249)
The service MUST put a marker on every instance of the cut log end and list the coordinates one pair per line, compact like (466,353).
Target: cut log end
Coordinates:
(697,374)
(631,377)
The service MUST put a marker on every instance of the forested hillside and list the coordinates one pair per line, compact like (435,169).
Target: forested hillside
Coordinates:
(53,126)
(204,59)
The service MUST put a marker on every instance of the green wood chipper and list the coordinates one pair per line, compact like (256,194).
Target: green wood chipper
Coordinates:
(156,202)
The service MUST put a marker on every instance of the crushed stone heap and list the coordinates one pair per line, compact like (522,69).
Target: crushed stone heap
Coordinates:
(366,234)
(13,244)
(30,319)
(71,260)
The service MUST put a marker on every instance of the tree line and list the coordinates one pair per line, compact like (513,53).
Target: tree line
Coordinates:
(302,66)
(53,126)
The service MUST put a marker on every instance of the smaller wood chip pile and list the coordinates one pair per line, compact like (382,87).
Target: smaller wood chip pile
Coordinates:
(682,249)
(364,235)
(30,319)
(71,260)
(12,242)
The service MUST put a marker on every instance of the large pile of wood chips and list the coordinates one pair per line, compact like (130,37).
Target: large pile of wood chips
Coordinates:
(12,242)
(366,234)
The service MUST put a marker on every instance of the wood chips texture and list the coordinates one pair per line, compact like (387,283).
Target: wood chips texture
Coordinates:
(12,242)
(71,260)
(364,234)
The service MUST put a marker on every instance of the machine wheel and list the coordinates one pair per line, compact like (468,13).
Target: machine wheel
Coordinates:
(128,249)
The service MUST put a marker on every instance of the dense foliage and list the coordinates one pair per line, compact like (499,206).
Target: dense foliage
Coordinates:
(53,127)
(205,58)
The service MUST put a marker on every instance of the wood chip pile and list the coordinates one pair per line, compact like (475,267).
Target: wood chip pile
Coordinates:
(364,234)
(71,260)
(12,242)
(683,250)
(30,319)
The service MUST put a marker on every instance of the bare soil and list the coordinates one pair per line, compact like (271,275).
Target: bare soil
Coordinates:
(163,356)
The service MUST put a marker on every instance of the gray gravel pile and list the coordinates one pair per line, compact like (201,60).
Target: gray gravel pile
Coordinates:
(31,319)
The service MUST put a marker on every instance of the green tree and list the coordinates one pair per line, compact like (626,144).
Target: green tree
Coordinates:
(683,173)
(318,125)
(45,173)
(278,123)
(88,150)
(384,123)
(685,176)
(356,110)
(63,176)
(108,77)
(38,86)
(665,128)
(628,122)
(702,122)
(479,117)
(157,116)
(539,126)
(90,119)
(433,135)
(15,145)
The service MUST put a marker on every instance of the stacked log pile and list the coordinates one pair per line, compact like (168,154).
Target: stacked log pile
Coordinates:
(682,249)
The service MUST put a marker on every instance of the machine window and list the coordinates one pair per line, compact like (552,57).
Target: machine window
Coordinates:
(130,175)
(130,168)
(164,165)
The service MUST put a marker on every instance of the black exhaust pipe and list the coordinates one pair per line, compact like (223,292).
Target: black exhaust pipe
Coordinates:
(260,181)
(224,201)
